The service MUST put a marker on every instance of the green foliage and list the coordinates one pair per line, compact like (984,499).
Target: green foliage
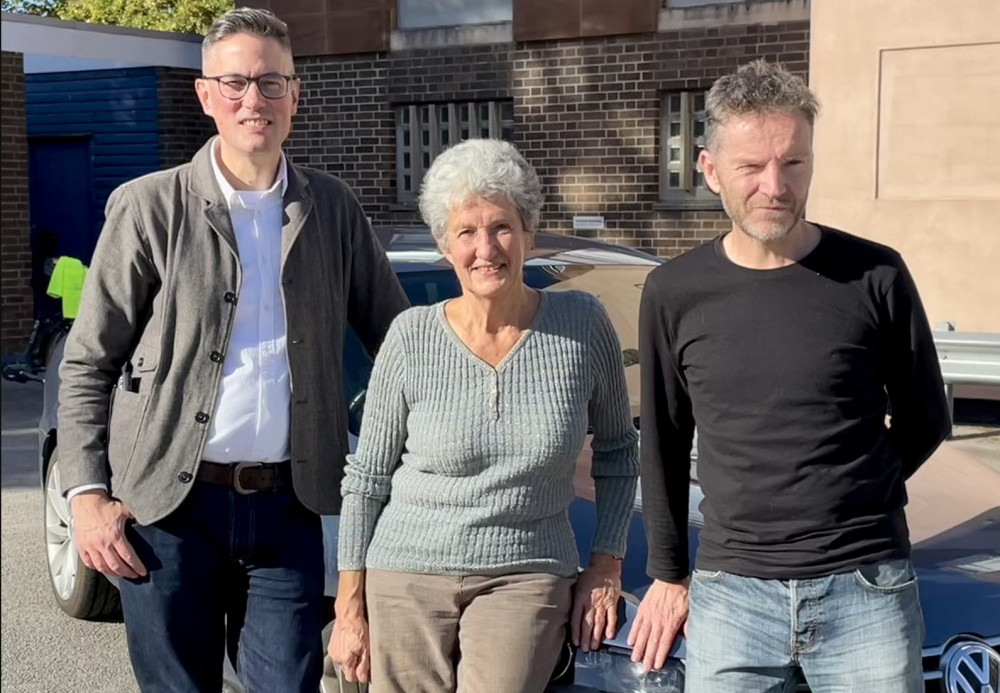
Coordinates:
(43,8)
(190,16)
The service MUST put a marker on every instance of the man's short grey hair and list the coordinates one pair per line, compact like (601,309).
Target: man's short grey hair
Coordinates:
(247,20)
(479,168)
(757,88)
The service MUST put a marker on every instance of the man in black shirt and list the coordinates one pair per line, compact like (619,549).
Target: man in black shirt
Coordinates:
(788,344)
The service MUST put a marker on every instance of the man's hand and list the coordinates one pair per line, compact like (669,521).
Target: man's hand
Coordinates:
(595,602)
(662,614)
(99,529)
(349,647)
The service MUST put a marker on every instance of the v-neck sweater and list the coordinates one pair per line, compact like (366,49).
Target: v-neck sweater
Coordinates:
(463,468)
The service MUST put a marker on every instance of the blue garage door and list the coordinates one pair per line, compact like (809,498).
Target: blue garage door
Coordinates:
(60,191)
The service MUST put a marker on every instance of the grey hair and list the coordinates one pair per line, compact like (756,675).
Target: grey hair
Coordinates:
(756,88)
(479,168)
(247,20)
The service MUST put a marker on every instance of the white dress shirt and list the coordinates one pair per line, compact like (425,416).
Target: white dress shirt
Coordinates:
(253,410)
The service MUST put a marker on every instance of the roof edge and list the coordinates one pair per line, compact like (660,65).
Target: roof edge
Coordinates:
(55,23)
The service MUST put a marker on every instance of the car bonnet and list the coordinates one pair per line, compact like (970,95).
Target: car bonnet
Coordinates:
(954,519)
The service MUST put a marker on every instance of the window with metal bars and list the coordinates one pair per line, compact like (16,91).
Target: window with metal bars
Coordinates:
(682,137)
(425,130)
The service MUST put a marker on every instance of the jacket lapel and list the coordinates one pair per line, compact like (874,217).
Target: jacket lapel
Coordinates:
(217,215)
(298,206)
(204,185)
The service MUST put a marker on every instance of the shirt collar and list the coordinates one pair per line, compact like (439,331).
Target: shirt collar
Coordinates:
(231,195)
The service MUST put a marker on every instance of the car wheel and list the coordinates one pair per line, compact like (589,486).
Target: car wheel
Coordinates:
(79,591)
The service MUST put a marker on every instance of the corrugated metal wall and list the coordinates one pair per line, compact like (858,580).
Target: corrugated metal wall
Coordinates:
(113,111)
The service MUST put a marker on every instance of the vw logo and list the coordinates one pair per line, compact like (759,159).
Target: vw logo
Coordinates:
(971,666)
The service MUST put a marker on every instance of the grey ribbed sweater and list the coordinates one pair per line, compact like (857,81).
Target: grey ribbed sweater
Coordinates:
(466,469)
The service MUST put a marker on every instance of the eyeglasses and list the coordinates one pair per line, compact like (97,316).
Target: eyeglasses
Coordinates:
(271,86)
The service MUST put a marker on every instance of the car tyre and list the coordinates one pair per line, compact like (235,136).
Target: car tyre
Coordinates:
(80,591)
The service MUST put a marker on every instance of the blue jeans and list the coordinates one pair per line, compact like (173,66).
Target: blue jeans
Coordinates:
(227,572)
(854,632)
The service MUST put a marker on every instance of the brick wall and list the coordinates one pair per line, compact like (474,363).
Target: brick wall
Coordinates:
(346,126)
(15,293)
(586,115)
(589,116)
(183,127)
(346,123)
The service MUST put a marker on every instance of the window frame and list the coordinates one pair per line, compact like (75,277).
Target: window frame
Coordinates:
(688,194)
(428,115)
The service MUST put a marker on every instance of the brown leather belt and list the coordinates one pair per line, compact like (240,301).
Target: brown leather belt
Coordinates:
(247,477)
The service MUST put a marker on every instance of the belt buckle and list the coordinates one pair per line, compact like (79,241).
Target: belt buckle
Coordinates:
(240,466)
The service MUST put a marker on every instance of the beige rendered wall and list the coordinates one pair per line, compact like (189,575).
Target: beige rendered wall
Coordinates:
(908,141)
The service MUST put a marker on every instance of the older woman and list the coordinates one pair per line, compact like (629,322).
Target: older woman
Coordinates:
(457,558)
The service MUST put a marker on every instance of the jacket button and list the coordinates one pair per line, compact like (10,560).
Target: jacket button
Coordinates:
(140,361)
(184,477)
(229,297)
(215,356)
(201,417)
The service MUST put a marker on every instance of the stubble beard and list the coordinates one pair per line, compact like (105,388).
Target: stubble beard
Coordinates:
(767,231)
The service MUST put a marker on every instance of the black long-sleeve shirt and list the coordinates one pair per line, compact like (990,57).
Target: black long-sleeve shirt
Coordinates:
(789,375)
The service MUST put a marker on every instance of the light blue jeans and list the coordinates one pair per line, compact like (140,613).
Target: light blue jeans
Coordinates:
(857,632)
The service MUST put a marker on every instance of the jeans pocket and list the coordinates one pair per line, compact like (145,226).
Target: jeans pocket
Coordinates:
(888,577)
(707,575)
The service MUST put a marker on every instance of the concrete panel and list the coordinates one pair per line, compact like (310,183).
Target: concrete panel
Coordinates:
(357,31)
(538,21)
(452,36)
(947,234)
(601,18)
(307,33)
(697,3)
(284,8)
(696,13)
(423,14)
(935,112)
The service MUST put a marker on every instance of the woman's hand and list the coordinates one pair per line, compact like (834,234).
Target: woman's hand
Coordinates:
(595,602)
(349,647)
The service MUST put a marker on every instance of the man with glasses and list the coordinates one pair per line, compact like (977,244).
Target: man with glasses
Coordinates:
(212,327)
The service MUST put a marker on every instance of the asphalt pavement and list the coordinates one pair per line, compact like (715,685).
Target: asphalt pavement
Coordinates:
(43,650)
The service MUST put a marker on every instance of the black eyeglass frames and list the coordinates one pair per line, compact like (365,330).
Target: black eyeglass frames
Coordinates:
(271,86)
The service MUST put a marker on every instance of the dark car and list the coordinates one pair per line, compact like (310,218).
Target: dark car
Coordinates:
(954,509)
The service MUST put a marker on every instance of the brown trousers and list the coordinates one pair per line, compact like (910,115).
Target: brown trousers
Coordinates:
(473,634)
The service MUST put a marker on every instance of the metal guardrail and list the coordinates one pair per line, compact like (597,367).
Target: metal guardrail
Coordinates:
(966,358)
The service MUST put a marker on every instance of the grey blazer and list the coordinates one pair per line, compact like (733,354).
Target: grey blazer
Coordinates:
(161,295)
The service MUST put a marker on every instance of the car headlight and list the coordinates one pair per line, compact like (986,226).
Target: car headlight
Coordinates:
(610,671)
